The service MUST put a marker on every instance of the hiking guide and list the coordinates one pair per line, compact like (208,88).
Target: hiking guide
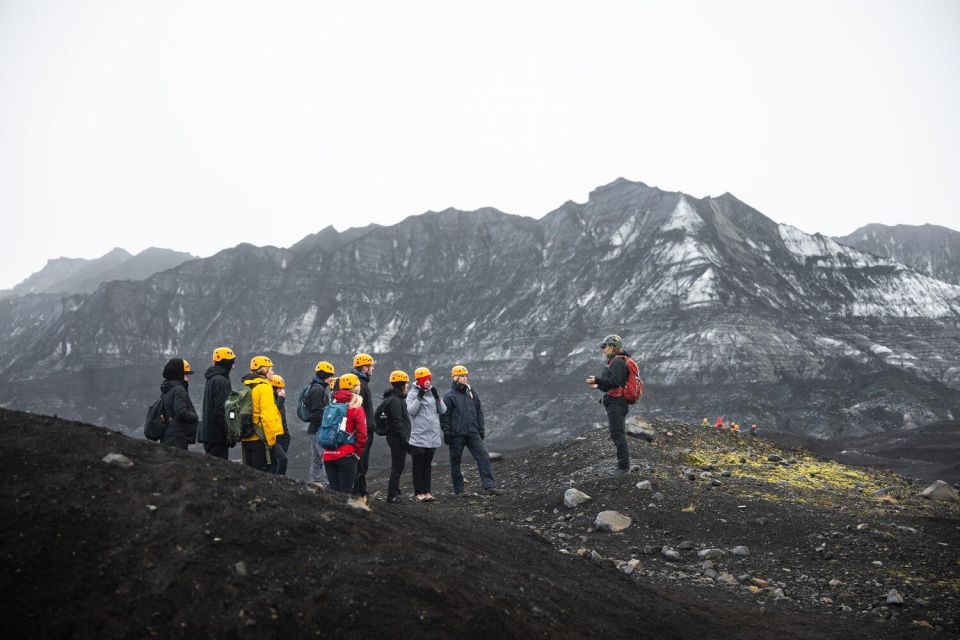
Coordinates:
(622,386)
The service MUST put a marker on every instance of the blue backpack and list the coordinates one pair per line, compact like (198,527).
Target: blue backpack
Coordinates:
(332,433)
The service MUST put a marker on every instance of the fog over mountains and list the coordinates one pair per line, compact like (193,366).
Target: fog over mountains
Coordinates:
(726,311)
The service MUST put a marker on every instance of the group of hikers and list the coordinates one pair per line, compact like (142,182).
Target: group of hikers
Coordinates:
(731,425)
(413,417)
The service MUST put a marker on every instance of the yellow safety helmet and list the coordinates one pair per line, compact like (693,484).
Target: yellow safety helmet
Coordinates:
(362,359)
(459,370)
(259,362)
(277,381)
(421,372)
(187,371)
(223,353)
(324,366)
(349,381)
(399,376)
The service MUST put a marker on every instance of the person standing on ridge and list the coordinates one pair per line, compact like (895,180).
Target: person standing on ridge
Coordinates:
(317,399)
(181,431)
(611,382)
(341,463)
(266,418)
(363,368)
(283,440)
(213,427)
(462,425)
(425,434)
(393,411)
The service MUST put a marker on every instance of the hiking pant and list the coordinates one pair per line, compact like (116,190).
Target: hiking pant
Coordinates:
(254,455)
(173,441)
(616,417)
(422,461)
(398,459)
(479,452)
(360,483)
(279,459)
(341,472)
(217,449)
(317,471)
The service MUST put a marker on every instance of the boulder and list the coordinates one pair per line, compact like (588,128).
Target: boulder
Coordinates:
(644,485)
(774,458)
(728,579)
(642,430)
(670,554)
(940,491)
(495,457)
(574,498)
(895,598)
(710,554)
(740,550)
(122,461)
(612,521)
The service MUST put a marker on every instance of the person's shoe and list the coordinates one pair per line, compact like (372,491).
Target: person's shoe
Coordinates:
(493,491)
(621,471)
(430,498)
(359,502)
(394,500)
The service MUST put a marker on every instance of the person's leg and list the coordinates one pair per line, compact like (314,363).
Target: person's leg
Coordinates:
(456,453)
(616,417)
(398,459)
(348,472)
(317,468)
(479,452)
(279,459)
(332,472)
(417,454)
(217,449)
(360,483)
(255,455)
(284,441)
(427,469)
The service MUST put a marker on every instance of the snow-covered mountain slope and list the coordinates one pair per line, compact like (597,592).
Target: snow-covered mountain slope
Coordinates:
(928,248)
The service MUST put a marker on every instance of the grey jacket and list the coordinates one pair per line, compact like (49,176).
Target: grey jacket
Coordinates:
(425,418)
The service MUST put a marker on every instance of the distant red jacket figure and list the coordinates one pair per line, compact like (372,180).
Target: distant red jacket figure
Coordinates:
(719,424)
(356,423)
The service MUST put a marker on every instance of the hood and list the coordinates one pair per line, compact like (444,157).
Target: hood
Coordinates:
(354,401)
(216,370)
(170,384)
(252,379)
(173,370)
(620,353)
(361,375)
(392,392)
(459,386)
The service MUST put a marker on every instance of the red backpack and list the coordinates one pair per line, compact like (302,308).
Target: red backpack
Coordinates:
(633,390)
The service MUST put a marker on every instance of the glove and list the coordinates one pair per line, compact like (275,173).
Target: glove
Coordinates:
(420,392)
(436,394)
(447,439)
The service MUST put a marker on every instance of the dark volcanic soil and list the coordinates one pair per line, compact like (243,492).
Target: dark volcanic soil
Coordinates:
(180,545)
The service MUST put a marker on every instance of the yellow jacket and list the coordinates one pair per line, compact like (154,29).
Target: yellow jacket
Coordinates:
(265,412)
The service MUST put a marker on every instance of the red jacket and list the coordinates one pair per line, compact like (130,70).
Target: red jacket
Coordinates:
(356,423)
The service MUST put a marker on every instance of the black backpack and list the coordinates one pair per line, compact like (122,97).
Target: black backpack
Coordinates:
(381,422)
(156,423)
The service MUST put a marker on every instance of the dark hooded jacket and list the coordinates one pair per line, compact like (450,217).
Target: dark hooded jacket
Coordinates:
(398,418)
(213,428)
(177,405)
(318,397)
(613,377)
(366,395)
(464,415)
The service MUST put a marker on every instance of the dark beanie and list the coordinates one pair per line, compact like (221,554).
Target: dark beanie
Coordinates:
(323,375)
(173,370)
(226,364)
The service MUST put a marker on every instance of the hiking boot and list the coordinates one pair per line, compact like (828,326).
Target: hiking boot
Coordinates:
(493,491)
(621,471)
(359,502)
(394,500)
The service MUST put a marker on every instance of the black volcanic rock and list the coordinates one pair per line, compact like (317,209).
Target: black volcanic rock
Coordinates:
(928,248)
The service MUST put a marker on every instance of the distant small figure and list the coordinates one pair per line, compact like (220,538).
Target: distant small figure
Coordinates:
(318,397)
(705,423)
(425,435)
(213,427)
(393,411)
(283,439)
(735,427)
(181,431)
(753,429)
(719,424)
(257,449)
(341,463)
(463,426)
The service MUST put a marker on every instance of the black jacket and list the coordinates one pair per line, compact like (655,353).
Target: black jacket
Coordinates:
(213,428)
(398,418)
(281,402)
(317,400)
(367,398)
(178,407)
(464,415)
(614,376)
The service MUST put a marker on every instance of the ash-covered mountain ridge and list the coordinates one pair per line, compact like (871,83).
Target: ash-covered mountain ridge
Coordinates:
(928,248)
(727,311)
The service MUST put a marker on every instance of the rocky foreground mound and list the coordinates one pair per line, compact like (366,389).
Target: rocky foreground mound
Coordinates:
(179,545)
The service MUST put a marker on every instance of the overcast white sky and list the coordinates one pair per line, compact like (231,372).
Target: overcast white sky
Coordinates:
(199,125)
